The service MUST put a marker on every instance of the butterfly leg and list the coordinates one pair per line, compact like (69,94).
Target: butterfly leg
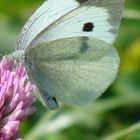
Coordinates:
(48,101)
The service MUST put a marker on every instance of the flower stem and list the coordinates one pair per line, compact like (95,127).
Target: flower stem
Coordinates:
(124,132)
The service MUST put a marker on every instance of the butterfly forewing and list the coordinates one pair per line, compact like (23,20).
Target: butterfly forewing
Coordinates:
(93,18)
(74,70)
(49,12)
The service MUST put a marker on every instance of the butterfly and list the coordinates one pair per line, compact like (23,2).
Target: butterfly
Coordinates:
(66,47)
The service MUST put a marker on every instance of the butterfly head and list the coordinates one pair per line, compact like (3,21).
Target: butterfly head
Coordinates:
(17,57)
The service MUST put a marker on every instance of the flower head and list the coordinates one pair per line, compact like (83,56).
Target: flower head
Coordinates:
(15,99)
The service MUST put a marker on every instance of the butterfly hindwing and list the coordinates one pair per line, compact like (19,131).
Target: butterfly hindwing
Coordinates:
(73,70)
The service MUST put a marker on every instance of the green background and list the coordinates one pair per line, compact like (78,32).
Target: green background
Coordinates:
(115,115)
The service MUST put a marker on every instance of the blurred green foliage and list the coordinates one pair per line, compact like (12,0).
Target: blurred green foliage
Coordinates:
(115,115)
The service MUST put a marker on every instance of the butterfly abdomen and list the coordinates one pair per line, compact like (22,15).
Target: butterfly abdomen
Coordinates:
(48,100)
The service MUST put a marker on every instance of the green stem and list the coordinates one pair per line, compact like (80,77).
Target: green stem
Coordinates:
(132,14)
(123,133)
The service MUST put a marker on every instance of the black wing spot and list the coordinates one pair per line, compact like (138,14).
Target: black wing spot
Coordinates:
(88,27)
(82,1)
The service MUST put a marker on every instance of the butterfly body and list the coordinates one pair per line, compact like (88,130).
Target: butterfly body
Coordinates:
(67,49)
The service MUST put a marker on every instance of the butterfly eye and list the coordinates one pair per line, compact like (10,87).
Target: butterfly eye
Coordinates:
(25,58)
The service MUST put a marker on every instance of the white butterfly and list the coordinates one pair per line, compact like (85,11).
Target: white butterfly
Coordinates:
(67,49)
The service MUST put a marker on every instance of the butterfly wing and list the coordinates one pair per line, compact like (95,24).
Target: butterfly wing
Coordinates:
(61,59)
(70,18)
(74,70)
(46,14)
(93,18)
